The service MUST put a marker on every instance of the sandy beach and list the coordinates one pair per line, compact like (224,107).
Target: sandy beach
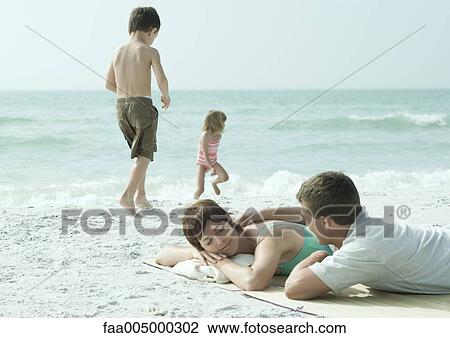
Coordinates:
(48,274)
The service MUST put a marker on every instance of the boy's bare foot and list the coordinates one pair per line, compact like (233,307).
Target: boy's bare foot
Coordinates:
(197,194)
(216,188)
(142,203)
(126,202)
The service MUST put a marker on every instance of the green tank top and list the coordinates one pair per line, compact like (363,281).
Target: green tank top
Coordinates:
(310,245)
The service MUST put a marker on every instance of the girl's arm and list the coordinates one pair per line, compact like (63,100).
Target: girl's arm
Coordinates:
(172,254)
(259,275)
(204,144)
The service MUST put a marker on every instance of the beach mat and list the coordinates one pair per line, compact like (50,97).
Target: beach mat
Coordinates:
(360,301)
(356,301)
(227,286)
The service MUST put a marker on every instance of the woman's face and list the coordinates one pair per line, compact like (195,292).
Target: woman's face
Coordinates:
(220,237)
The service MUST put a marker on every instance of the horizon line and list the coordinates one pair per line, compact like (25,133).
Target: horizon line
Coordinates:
(231,89)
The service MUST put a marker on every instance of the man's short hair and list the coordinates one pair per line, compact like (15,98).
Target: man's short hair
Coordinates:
(331,194)
(143,19)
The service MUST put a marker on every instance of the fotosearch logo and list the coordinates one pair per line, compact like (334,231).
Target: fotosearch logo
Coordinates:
(70,217)
(100,221)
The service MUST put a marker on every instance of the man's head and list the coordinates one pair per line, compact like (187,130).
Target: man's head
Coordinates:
(331,203)
(146,20)
(207,226)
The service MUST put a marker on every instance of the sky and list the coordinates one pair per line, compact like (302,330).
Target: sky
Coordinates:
(233,44)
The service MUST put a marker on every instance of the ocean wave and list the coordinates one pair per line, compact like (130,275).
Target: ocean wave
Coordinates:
(11,120)
(390,180)
(54,119)
(387,121)
(35,142)
(421,120)
(281,184)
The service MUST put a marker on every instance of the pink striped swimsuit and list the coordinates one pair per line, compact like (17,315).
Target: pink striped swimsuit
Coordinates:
(213,146)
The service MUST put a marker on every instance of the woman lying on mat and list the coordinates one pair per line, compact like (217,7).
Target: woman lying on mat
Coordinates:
(277,245)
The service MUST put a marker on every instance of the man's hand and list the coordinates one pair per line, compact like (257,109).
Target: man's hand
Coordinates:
(315,257)
(206,257)
(165,99)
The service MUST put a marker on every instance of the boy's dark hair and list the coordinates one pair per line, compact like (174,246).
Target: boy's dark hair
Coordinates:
(331,194)
(143,19)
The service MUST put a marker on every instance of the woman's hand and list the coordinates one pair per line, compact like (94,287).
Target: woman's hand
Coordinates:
(206,257)
(250,216)
(221,262)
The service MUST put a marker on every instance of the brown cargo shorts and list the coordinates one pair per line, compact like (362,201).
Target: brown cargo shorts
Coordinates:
(138,121)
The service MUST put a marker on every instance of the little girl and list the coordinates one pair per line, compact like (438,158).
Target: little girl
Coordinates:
(213,126)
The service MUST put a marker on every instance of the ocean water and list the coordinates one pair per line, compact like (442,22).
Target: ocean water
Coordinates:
(65,148)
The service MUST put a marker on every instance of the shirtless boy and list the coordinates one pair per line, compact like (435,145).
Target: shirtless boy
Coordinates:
(129,76)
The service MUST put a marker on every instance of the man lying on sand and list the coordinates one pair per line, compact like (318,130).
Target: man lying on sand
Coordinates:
(383,256)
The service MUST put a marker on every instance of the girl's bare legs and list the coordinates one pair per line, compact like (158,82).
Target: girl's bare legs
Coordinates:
(222,176)
(200,181)
(140,199)
(137,174)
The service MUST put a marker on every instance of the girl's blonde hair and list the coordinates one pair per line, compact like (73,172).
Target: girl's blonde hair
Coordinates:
(214,121)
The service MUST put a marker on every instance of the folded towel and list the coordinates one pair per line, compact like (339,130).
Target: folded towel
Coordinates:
(194,269)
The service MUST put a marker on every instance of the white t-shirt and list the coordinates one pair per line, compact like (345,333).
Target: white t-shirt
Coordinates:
(414,260)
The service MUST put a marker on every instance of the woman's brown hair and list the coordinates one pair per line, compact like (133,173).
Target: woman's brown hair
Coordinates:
(197,216)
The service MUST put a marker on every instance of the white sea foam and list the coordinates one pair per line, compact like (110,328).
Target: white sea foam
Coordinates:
(421,120)
(280,184)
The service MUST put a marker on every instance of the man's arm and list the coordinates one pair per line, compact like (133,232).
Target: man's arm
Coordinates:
(285,214)
(161,78)
(111,79)
(303,283)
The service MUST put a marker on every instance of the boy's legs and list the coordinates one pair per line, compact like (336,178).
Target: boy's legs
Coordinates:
(140,199)
(222,176)
(137,174)
(200,181)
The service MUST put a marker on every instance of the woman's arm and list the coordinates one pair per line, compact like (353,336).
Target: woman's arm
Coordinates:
(172,254)
(259,275)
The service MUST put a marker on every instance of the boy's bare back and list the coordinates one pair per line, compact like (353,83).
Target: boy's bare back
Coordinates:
(132,66)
